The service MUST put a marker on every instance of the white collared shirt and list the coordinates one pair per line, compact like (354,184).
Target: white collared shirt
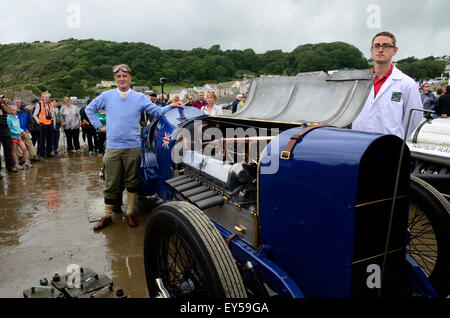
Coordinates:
(388,112)
(126,93)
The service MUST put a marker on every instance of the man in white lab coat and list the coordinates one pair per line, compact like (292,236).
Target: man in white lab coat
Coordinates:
(392,96)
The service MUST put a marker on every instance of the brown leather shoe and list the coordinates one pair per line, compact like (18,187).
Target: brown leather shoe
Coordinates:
(131,220)
(104,222)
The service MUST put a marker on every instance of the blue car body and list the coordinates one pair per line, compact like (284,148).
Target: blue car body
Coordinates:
(322,215)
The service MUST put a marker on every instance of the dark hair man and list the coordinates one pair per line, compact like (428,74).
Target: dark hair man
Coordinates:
(443,103)
(146,117)
(122,157)
(190,101)
(153,97)
(428,98)
(201,101)
(89,130)
(392,96)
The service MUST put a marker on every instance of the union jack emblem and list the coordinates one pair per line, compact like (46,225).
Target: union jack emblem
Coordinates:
(166,140)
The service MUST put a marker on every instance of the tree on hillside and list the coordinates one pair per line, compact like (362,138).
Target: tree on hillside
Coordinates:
(422,69)
(63,66)
(274,62)
(326,57)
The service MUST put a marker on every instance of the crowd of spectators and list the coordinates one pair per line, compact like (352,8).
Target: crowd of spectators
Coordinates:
(31,133)
(435,101)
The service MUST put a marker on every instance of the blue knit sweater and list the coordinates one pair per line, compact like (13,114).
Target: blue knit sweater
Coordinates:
(122,117)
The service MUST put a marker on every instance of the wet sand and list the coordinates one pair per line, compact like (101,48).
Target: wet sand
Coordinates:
(44,227)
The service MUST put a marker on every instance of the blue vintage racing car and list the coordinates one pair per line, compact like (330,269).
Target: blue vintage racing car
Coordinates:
(252,207)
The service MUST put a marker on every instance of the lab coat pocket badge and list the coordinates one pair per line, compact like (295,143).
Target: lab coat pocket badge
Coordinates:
(396,97)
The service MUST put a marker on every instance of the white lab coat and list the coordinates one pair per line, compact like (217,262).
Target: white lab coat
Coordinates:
(388,113)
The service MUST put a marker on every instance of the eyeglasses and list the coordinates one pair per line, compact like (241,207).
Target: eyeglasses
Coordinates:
(121,68)
(385,46)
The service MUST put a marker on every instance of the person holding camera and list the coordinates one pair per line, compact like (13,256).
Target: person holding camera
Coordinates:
(5,136)
(43,115)
(162,100)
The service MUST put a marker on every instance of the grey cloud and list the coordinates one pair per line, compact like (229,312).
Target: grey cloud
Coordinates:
(422,27)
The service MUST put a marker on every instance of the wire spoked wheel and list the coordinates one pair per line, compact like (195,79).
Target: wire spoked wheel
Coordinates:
(429,227)
(184,251)
(179,268)
(423,243)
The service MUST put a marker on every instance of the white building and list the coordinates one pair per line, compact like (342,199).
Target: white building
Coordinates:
(106,84)
(447,68)
(210,87)
(224,89)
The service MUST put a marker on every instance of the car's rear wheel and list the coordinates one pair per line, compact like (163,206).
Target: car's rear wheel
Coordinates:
(429,226)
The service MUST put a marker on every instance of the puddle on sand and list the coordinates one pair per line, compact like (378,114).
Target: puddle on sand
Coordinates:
(44,227)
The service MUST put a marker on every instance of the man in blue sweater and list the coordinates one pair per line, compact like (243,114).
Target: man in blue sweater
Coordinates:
(122,157)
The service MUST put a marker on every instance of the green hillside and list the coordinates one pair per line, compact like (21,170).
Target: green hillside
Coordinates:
(74,67)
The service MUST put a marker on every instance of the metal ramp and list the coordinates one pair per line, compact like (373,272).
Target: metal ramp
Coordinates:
(333,99)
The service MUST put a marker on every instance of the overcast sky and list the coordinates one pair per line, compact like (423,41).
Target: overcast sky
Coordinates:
(422,27)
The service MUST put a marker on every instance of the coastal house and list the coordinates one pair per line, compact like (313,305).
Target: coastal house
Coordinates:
(268,76)
(210,87)
(184,92)
(196,90)
(244,86)
(236,85)
(224,89)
